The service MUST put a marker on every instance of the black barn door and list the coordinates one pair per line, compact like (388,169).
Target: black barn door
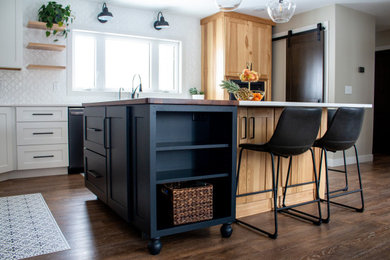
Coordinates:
(305,66)
(381,142)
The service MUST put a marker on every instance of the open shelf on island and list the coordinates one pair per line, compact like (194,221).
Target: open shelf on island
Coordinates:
(171,146)
(187,175)
(45,47)
(42,26)
(45,67)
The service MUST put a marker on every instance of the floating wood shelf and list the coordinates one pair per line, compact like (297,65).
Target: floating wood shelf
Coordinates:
(46,47)
(45,67)
(4,68)
(42,26)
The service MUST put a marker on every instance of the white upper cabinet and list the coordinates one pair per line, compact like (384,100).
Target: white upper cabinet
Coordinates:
(7,139)
(11,34)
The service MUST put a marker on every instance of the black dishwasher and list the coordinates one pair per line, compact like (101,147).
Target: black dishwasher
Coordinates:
(75,139)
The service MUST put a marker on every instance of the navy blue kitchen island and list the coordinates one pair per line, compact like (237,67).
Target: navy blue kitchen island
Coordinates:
(134,148)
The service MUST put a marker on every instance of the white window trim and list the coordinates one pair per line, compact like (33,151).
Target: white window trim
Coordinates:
(154,67)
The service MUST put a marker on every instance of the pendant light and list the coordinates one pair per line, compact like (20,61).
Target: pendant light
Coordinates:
(105,15)
(160,23)
(281,11)
(228,5)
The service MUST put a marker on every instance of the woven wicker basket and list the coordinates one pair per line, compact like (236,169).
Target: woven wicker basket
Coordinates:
(189,202)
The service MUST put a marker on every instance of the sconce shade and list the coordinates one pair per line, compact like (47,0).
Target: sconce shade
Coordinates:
(105,15)
(281,11)
(160,23)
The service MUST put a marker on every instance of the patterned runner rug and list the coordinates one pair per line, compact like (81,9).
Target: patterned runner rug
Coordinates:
(27,228)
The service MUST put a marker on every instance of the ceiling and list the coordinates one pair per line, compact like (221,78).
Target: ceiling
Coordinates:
(202,8)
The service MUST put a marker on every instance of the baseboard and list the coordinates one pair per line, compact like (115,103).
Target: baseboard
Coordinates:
(33,173)
(350,160)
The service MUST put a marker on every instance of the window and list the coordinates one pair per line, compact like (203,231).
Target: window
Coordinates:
(107,62)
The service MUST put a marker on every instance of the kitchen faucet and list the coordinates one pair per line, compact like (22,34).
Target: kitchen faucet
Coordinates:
(139,87)
(120,93)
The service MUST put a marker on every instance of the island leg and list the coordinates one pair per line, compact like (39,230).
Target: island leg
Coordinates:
(154,246)
(226,230)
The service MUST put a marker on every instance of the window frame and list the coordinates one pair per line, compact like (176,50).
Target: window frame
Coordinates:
(100,63)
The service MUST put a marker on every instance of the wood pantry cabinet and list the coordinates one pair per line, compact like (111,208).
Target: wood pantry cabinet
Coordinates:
(229,41)
(132,151)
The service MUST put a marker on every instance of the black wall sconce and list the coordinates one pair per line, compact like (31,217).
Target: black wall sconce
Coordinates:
(105,15)
(160,23)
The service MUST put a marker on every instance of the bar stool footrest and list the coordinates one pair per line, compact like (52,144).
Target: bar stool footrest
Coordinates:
(273,236)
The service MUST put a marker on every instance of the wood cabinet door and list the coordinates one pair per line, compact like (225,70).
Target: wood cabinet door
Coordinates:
(237,48)
(256,168)
(261,52)
(260,130)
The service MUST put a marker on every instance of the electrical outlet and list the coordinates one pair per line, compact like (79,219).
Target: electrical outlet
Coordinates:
(55,86)
(348,90)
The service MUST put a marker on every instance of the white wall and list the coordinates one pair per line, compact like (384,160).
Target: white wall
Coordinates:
(351,44)
(50,87)
(383,39)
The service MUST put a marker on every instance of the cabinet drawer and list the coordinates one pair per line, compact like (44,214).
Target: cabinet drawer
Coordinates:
(94,129)
(95,173)
(42,133)
(41,114)
(42,156)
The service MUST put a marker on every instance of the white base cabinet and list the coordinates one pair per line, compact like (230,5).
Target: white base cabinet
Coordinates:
(7,139)
(42,137)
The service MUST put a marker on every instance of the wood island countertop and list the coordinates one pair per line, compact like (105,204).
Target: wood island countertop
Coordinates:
(164,101)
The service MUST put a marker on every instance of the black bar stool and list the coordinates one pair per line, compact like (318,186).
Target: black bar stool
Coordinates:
(344,128)
(295,133)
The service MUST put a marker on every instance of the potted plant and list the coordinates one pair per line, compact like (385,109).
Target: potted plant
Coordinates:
(196,94)
(54,13)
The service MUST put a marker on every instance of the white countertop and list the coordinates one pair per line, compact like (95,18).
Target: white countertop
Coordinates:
(298,104)
(40,105)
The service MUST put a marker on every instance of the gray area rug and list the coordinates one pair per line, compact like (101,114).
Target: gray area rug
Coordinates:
(27,228)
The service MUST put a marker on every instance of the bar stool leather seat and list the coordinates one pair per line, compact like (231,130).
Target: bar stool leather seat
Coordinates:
(294,134)
(344,126)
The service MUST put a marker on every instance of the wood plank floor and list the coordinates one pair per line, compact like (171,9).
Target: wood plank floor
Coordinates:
(94,232)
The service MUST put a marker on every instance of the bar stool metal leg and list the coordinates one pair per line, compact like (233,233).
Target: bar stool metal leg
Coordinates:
(328,196)
(346,175)
(317,220)
(274,190)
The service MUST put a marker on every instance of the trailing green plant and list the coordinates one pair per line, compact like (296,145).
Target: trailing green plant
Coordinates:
(194,91)
(54,13)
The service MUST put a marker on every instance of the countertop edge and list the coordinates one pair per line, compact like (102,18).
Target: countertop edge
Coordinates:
(164,101)
(299,104)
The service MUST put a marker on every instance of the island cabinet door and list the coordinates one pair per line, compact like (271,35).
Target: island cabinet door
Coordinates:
(118,160)
(94,129)
(256,167)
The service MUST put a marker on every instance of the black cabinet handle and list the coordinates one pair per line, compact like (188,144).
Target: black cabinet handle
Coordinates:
(94,174)
(42,114)
(245,128)
(43,156)
(94,129)
(252,121)
(43,133)
(107,140)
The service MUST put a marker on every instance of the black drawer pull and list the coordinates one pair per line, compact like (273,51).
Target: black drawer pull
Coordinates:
(94,174)
(43,133)
(94,129)
(43,156)
(42,114)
